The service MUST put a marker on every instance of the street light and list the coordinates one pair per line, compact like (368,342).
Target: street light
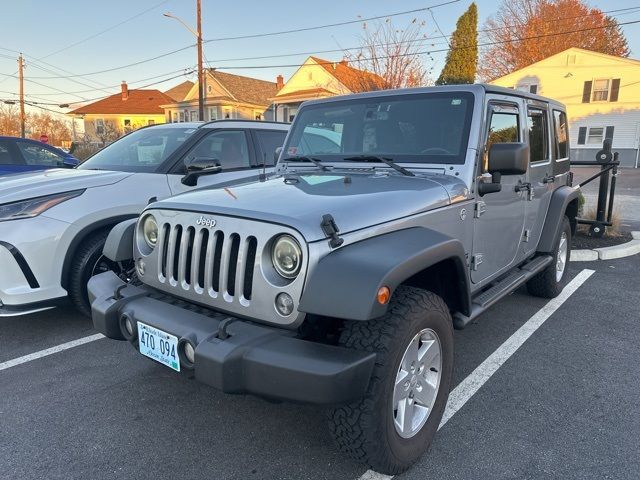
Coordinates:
(198,35)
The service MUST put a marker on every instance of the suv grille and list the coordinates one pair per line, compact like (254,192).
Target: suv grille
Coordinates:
(212,261)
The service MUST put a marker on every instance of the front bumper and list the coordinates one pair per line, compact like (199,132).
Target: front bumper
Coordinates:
(243,357)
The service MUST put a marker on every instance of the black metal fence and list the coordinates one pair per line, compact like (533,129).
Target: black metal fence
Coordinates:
(608,163)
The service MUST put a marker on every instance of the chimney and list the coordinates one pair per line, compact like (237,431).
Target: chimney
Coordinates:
(125,90)
(279,82)
(344,62)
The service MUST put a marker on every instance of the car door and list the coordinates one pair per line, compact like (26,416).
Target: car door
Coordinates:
(233,149)
(39,157)
(541,175)
(499,216)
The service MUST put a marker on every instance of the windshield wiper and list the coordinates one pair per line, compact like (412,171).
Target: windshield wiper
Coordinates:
(387,161)
(304,158)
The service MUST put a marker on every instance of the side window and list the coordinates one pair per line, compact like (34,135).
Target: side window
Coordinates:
(538,140)
(229,147)
(561,135)
(269,140)
(504,127)
(37,155)
(6,158)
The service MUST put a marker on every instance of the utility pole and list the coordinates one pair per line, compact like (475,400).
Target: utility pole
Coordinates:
(21,80)
(200,70)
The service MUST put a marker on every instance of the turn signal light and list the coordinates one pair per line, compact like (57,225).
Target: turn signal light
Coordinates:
(384,294)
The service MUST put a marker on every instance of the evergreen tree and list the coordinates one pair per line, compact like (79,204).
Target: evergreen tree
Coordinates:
(462,59)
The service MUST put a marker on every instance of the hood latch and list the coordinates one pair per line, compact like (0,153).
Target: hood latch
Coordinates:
(331,230)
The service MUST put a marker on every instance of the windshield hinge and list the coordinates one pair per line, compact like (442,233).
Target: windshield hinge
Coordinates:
(331,230)
(481,207)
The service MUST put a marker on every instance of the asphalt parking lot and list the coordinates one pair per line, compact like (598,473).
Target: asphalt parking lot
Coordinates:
(562,405)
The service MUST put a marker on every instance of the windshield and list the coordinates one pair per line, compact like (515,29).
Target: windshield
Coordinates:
(141,151)
(416,128)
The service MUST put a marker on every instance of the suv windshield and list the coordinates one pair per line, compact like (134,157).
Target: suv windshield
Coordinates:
(141,151)
(417,128)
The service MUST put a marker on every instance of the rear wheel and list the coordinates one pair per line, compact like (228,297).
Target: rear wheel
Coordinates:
(88,261)
(396,420)
(550,281)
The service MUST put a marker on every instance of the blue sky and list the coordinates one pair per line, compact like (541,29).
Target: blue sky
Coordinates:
(39,30)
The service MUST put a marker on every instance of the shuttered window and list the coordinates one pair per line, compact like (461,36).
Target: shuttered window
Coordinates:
(615,90)
(586,92)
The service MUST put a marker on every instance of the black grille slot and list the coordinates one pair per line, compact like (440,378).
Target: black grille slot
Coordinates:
(176,252)
(204,241)
(233,264)
(247,287)
(191,233)
(217,260)
(166,229)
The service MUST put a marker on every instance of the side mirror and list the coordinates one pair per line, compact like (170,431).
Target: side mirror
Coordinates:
(276,155)
(504,159)
(198,167)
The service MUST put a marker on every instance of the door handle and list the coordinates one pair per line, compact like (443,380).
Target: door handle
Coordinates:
(549,179)
(522,186)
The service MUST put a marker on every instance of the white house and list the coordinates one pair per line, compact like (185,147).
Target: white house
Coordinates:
(602,95)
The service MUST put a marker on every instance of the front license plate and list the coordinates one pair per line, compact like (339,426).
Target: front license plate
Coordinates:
(158,345)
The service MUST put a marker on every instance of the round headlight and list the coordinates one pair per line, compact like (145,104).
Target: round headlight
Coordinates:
(150,230)
(286,256)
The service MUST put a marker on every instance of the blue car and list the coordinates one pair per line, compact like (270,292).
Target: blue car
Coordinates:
(25,155)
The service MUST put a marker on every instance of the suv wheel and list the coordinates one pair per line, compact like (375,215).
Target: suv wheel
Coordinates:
(87,262)
(396,420)
(550,281)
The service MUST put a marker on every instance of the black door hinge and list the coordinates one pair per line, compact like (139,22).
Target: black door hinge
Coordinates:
(331,230)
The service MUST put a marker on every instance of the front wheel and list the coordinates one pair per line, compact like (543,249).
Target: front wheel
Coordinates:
(88,261)
(396,420)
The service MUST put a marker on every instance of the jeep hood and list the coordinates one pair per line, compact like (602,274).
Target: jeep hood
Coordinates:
(300,201)
(18,187)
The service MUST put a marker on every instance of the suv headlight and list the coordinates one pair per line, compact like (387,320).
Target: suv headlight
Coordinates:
(150,230)
(34,206)
(286,256)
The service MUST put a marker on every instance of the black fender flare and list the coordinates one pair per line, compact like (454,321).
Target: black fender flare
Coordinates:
(119,244)
(558,207)
(345,282)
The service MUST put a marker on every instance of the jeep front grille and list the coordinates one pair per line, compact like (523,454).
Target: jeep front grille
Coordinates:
(207,260)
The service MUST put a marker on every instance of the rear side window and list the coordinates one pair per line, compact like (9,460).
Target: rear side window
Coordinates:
(561,136)
(269,140)
(6,158)
(37,155)
(538,128)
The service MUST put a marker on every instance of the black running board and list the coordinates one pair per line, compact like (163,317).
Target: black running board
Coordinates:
(485,299)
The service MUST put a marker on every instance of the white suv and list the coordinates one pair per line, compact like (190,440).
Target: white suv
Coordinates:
(53,224)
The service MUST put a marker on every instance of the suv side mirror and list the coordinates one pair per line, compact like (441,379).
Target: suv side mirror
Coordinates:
(504,159)
(276,155)
(198,167)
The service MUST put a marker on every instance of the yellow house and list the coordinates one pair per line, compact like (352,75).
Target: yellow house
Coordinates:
(318,78)
(107,119)
(602,95)
(227,96)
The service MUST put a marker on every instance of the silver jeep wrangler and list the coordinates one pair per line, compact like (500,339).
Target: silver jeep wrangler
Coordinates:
(392,218)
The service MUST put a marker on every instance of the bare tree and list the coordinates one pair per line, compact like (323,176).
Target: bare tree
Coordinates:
(109,133)
(526,31)
(56,129)
(389,56)
(9,120)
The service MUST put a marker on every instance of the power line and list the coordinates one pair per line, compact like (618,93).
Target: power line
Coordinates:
(90,37)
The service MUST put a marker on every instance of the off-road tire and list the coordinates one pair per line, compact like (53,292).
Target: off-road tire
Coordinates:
(84,259)
(364,429)
(545,284)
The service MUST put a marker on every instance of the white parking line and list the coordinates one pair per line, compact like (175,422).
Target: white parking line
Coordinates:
(50,351)
(471,384)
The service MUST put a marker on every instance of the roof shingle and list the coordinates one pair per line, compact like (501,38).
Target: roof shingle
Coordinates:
(246,89)
(138,102)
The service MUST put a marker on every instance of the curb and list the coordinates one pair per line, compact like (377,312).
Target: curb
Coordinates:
(627,249)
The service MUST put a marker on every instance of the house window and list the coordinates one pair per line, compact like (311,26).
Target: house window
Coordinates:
(127,122)
(528,87)
(175,117)
(181,117)
(99,126)
(209,88)
(213,113)
(194,116)
(601,90)
(151,122)
(595,135)
(571,59)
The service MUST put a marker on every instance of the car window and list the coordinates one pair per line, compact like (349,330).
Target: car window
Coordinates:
(415,128)
(229,147)
(270,140)
(538,144)
(561,136)
(6,158)
(36,155)
(141,151)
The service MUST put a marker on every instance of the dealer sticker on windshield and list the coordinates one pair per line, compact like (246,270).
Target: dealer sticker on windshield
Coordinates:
(159,346)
